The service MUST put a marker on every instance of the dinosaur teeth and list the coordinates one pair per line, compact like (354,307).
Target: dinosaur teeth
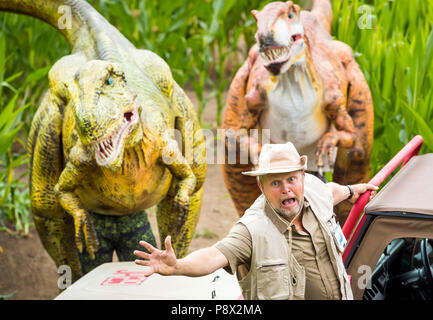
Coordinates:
(275,54)
(105,148)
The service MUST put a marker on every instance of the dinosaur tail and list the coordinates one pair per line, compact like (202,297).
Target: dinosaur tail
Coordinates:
(77,20)
(64,15)
(323,11)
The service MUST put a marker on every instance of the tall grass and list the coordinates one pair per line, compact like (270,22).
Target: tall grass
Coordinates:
(14,191)
(395,53)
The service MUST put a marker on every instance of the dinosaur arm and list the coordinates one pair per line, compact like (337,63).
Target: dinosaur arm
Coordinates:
(359,103)
(179,167)
(343,137)
(69,179)
(353,116)
(178,213)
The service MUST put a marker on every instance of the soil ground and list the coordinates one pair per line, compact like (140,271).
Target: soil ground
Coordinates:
(28,272)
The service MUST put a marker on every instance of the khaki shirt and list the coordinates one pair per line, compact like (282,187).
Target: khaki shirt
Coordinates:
(309,249)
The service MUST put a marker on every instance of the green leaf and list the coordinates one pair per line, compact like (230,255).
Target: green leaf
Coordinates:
(423,127)
(2,60)
(36,75)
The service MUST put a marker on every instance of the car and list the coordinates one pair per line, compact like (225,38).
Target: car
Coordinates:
(389,251)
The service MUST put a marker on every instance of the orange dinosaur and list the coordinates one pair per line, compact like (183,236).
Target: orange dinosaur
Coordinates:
(306,88)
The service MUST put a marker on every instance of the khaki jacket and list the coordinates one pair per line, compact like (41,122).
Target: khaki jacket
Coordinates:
(269,275)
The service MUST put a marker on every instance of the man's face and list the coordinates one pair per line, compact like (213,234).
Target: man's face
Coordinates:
(285,192)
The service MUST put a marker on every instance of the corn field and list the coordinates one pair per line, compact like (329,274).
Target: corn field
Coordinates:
(204,42)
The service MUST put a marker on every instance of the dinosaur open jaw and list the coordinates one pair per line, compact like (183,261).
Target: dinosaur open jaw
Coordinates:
(274,57)
(107,150)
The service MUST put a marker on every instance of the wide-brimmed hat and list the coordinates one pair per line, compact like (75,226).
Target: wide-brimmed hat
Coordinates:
(278,158)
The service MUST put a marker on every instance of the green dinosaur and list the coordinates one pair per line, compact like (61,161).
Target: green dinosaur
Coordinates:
(102,141)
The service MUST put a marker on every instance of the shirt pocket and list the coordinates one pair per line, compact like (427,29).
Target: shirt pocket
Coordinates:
(273,281)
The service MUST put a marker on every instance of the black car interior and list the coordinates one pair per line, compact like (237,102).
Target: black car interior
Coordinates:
(404,272)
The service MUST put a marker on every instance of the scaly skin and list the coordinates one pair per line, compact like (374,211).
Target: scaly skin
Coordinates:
(295,52)
(102,139)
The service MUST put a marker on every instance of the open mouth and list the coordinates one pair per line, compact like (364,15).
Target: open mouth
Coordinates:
(288,202)
(107,150)
(278,55)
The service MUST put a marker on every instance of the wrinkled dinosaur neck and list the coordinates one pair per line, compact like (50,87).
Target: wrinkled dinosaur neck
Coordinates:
(87,31)
(305,68)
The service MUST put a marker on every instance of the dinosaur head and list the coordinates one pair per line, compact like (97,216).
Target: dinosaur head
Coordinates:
(106,112)
(280,36)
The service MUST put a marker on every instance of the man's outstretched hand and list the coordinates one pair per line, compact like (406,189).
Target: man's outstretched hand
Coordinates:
(160,261)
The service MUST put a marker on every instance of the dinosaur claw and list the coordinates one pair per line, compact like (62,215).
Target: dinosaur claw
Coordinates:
(326,150)
(181,206)
(79,245)
(82,222)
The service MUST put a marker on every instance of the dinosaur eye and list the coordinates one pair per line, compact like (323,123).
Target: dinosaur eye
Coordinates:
(291,15)
(110,81)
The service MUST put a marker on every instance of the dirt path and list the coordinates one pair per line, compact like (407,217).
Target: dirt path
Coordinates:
(27,269)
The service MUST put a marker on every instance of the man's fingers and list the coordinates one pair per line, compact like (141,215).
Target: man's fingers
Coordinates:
(363,187)
(142,254)
(145,263)
(167,242)
(147,245)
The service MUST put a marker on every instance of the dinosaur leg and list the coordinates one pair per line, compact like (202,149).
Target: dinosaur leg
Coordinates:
(105,231)
(120,233)
(57,237)
(54,225)
(131,229)
(353,165)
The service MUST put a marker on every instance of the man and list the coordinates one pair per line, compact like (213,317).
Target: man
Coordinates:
(286,245)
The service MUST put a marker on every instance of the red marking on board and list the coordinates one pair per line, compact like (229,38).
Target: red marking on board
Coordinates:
(125,277)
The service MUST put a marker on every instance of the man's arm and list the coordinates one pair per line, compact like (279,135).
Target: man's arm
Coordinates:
(196,264)
(341,193)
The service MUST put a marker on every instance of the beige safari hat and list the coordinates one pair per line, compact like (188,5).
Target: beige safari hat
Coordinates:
(278,158)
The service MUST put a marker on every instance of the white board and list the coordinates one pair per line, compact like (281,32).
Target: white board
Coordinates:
(126,280)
